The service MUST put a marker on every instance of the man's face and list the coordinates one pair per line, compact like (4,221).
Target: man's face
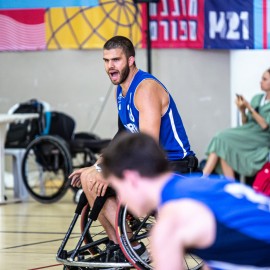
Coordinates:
(116,65)
(130,193)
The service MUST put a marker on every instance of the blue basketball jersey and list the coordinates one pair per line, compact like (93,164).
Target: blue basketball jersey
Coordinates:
(173,137)
(242,221)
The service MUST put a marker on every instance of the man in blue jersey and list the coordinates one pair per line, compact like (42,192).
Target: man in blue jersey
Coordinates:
(225,223)
(144,105)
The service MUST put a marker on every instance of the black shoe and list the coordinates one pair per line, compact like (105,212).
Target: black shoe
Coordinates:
(118,255)
(113,253)
(141,251)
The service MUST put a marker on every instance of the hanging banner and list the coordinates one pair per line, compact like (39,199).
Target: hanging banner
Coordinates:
(229,24)
(22,30)
(261,24)
(87,24)
(90,27)
(21,4)
(175,24)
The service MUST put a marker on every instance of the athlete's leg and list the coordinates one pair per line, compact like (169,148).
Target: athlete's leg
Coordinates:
(107,214)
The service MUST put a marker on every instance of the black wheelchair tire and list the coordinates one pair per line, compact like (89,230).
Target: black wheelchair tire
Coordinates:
(59,146)
(131,255)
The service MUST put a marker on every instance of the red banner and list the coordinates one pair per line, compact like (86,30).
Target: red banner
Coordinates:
(22,29)
(175,24)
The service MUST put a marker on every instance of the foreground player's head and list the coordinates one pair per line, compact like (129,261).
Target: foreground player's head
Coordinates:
(131,164)
(137,152)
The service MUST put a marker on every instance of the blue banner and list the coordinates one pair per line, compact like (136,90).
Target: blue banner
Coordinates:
(229,24)
(25,4)
(261,24)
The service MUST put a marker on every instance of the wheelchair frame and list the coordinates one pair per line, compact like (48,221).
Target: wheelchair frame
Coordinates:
(90,256)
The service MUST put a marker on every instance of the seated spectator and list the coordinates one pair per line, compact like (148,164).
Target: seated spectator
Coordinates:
(243,149)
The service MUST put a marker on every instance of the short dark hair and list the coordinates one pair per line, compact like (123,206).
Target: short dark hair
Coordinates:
(120,42)
(134,151)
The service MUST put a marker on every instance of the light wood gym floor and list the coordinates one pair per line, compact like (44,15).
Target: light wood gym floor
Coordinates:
(31,233)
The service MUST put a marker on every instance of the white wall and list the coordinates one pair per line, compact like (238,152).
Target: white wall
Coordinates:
(202,82)
(247,67)
(74,82)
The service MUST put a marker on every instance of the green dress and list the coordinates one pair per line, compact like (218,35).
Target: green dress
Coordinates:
(245,148)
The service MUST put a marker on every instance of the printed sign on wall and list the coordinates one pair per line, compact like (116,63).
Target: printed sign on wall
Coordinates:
(196,24)
(229,24)
(175,24)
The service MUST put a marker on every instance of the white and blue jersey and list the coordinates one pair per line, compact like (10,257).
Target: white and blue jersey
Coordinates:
(172,137)
(242,221)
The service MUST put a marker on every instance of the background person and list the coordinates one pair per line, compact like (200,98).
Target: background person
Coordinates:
(223,222)
(244,149)
(144,105)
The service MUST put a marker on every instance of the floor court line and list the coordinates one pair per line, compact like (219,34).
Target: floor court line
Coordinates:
(38,243)
(31,233)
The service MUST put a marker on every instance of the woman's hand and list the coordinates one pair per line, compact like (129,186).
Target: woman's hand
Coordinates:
(241,103)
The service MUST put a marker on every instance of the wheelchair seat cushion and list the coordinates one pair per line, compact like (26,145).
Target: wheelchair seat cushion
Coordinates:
(94,145)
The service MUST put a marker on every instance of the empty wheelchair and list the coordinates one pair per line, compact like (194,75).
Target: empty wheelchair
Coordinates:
(49,159)
(94,250)
(52,150)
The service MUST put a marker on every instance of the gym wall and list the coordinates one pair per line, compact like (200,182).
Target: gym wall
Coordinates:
(75,82)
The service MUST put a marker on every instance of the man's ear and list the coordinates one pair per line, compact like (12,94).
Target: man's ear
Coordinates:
(131,176)
(131,60)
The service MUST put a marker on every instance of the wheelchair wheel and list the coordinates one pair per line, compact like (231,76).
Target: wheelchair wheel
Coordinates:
(45,168)
(141,228)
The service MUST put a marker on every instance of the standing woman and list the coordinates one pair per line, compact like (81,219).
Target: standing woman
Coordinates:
(243,149)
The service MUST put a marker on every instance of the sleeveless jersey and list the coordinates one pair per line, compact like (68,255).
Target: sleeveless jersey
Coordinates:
(172,137)
(242,220)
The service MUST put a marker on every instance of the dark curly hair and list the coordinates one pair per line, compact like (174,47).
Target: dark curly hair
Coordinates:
(134,151)
(122,43)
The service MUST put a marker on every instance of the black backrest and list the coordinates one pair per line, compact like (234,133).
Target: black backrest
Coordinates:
(62,125)
(22,133)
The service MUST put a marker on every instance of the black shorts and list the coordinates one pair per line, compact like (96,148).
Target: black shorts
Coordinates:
(186,165)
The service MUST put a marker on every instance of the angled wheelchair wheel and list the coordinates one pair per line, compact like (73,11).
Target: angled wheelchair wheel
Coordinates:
(45,168)
(140,228)
(140,233)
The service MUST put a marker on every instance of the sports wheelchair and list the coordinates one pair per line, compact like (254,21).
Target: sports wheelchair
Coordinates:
(51,151)
(50,159)
(94,250)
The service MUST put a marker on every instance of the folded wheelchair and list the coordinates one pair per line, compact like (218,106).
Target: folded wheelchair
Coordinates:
(94,250)
(52,150)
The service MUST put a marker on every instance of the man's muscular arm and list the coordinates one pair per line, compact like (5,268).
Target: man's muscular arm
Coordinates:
(150,100)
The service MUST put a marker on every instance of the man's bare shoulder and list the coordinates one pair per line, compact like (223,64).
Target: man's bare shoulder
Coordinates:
(189,220)
(150,90)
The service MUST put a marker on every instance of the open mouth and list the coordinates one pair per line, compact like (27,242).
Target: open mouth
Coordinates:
(114,75)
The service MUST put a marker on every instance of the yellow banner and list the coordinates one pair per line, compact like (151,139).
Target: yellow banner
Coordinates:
(90,27)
